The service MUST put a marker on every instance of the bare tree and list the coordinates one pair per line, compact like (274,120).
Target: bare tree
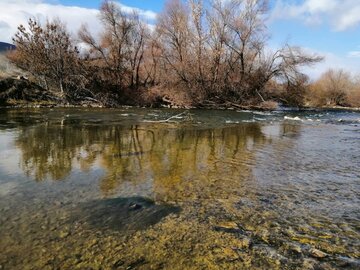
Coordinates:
(139,38)
(203,51)
(47,52)
(174,34)
(152,54)
(198,43)
(334,87)
(119,53)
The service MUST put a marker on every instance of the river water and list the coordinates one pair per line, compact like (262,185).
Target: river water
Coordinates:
(146,189)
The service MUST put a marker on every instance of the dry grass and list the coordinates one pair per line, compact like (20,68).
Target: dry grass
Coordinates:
(7,69)
(334,88)
(269,105)
(354,97)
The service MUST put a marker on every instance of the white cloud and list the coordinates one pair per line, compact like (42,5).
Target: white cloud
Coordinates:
(19,11)
(354,54)
(145,14)
(16,12)
(340,14)
(350,64)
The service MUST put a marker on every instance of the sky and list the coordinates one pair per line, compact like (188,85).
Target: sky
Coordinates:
(330,28)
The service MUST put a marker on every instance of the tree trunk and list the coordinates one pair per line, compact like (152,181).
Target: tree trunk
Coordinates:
(61,87)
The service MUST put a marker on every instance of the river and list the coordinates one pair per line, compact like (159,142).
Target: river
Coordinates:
(156,189)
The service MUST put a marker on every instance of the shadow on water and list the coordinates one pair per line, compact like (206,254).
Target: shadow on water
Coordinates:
(123,214)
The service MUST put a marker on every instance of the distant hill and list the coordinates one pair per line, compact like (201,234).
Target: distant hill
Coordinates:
(6,46)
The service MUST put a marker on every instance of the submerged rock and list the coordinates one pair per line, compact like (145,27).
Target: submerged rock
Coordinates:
(308,264)
(351,263)
(317,253)
(227,226)
(135,206)
(125,214)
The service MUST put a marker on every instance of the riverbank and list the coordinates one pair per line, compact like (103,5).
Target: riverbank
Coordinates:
(22,93)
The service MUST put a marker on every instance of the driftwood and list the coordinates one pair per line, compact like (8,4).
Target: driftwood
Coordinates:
(169,103)
(23,92)
(170,119)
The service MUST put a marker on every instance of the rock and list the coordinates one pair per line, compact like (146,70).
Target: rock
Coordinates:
(58,203)
(317,253)
(245,242)
(118,263)
(228,225)
(22,77)
(270,253)
(135,206)
(249,227)
(136,264)
(308,264)
(325,266)
(263,234)
(295,249)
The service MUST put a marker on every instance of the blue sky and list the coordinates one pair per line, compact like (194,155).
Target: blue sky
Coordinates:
(155,5)
(327,27)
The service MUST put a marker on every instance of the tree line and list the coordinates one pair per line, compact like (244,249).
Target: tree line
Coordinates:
(199,52)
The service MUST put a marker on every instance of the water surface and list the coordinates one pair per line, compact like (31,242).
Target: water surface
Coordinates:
(122,189)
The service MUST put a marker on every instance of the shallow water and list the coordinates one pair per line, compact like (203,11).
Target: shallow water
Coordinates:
(121,189)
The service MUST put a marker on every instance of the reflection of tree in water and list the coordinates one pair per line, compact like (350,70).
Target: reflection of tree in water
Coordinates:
(290,130)
(52,150)
(198,163)
(124,157)
(180,162)
(48,150)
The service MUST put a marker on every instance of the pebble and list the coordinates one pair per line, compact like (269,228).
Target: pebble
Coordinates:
(325,266)
(308,264)
(118,263)
(58,203)
(317,253)
(245,242)
(135,206)
(64,234)
(295,248)
(228,225)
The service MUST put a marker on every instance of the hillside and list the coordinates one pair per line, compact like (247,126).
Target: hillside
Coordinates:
(8,69)
(6,46)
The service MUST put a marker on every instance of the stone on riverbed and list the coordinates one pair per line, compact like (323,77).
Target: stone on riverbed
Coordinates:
(317,253)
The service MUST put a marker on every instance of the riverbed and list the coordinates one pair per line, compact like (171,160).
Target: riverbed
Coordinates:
(162,189)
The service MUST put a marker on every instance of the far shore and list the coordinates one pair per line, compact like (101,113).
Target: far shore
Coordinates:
(22,93)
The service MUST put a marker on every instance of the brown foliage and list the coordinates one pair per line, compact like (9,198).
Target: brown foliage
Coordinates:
(198,52)
(117,58)
(224,53)
(47,53)
(335,88)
